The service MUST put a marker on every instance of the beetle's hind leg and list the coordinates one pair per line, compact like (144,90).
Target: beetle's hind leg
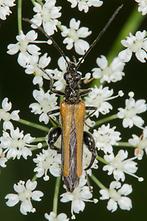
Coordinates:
(52,138)
(90,143)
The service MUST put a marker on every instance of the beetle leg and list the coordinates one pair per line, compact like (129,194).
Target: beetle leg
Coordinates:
(60,93)
(52,138)
(55,111)
(90,143)
(93,110)
(53,121)
(84,92)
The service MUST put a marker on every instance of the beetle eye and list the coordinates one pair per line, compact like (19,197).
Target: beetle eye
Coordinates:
(78,76)
(67,76)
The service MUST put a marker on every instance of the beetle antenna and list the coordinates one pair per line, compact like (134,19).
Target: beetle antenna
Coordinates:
(100,35)
(50,38)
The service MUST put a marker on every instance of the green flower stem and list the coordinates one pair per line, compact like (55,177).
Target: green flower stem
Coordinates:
(97,182)
(34,178)
(104,120)
(56,195)
(132,24)
(19,15)
(31,124)
(124,144)
(33,148)
(33,2)
(39,139)
(101,159)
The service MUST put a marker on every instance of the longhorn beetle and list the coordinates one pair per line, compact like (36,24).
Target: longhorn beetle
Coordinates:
(72,111)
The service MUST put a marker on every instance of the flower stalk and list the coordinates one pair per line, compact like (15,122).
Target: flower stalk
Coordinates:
(97,182)
(19,15)
(56,195)
(31,124)
(104,120)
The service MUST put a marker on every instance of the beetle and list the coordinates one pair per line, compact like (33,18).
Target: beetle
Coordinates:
(72,111)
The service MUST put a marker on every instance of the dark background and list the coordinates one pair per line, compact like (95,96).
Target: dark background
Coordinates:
(17,86)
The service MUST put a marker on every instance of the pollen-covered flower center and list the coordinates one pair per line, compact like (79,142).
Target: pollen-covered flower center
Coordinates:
(73,34)
(130,113)
(47,163)
(25,195)
(136,46)
(107,71)
(117,163)
(18,143)
(46,15)
(114,195)
(143,144)
(4,115)
(45,105)
(23,45)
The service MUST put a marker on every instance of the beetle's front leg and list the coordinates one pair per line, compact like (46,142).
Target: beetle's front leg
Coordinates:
(90,143)
(52,138)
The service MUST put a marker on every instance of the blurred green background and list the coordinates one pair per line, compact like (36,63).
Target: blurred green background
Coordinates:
(17,86)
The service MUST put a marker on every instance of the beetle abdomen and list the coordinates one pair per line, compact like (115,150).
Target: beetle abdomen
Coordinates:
(72,116)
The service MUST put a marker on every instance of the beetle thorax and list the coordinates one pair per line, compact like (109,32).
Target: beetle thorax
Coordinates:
(72,78)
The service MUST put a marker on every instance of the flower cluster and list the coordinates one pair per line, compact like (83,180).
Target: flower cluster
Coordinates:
(142,6)
(85,5)
(5,6)
(100,143)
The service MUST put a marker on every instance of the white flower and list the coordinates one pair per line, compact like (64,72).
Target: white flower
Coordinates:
(15,143)
(23,46)
(5,115)
(3,159)
(117,196)
(25,192)
(37,67)
(78,197)
(5,8)
(73,37)
(105,137)
(135,44)
(46,161)
(142,6)
(119,165)
(140,143)
(58,74)
(46,103)
(109,73)
(129,114)
(98,97)
(46,15)
(53,217)
(84,5)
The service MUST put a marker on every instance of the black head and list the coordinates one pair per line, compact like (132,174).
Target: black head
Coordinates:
(72,76)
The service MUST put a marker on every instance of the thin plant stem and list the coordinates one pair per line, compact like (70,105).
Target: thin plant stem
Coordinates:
(39,139)
(19,15)
(36,147)
(56,195)
(31,124)
(101,159)
(104,120)
(97,182)
(124,144)
(34,178)
(132,24)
